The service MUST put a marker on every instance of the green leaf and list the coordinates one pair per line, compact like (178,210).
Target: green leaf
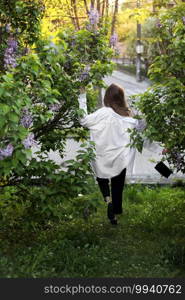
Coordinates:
(13,117)
(2,121)
(1,91)
(4,109)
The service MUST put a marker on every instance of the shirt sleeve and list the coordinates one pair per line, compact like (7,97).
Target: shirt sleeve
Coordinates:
(92,120)
(89,120)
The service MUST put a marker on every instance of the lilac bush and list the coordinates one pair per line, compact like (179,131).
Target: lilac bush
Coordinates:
(85,74)
(8,27)
(6,152)
(39,106)
(162,105)
(113,39)
(26,119)
(93,16)
(29,141)
(10,54)
(158,24)
(55,107)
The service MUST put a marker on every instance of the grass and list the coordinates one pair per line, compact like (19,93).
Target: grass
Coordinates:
(146,243)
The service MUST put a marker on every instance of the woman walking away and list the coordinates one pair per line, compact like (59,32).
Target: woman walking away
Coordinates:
(109,130)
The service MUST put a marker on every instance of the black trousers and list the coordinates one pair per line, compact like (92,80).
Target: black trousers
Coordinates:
(117,186)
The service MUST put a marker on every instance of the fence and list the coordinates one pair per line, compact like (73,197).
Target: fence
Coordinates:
(127,64)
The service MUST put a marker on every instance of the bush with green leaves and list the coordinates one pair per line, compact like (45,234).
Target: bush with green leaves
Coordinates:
(39,108)
(159,211)
(27,207)
(39,98)
(163,104)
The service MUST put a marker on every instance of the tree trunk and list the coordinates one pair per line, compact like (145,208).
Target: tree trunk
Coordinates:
(92,3)
(103,8)
(74,7)
(86,7)
(98,6)
(114,17)
(107,8)
(70,14)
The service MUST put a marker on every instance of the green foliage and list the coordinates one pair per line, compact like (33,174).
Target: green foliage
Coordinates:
(53,76)
(19,20)
(162,105)
(44,89)
(169,36)
(150,38)
(159,29)
(148,242)
(162,208)
(24,17)
(160,211)
(28,209)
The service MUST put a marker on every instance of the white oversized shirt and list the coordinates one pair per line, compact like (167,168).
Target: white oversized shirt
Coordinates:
(109,131)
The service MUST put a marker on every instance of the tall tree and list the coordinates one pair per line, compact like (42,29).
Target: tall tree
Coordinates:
(107,8)
(98,6)
(114,16)
(71,14)
(75,10)
(92,3)
(103,8)
(86,6)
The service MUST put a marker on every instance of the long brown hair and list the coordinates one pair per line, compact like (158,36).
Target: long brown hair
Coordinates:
(115,98)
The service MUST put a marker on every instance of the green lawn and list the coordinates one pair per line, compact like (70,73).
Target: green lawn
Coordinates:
(148,242)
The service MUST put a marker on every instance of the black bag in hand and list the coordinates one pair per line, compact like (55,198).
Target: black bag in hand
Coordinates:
(163,169)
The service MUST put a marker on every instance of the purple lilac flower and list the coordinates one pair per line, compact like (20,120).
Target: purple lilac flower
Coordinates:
(6,152)
(53,47)
(93,16)
(183,20)
(85,74)
(158,24)
(7,27)
(29,141)
(10,53)
(26,119)
(141,125)
(12,44)
(113,39)
(73,41)
(9,59)
(55,107)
